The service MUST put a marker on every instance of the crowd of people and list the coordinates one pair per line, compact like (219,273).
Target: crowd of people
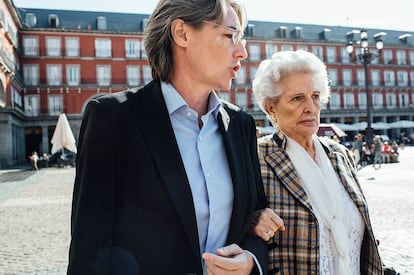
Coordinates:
(377,153)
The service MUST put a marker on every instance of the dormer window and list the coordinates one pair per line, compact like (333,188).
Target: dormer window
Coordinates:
(297,32)
(30,19)
(281,32)
(325,34)
(404,38)
(53,21)
(250,30)
(144,23)
(101,23)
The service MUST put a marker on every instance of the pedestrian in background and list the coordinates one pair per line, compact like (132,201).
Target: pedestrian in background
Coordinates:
(377,148)
(167,176)
(310,181)
(33,160)
(357,149)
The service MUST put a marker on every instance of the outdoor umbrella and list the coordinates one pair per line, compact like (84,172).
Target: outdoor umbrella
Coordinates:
(330,130)
(63,136)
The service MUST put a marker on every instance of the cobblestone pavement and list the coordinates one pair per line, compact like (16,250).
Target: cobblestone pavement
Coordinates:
(390,195)
(35,214)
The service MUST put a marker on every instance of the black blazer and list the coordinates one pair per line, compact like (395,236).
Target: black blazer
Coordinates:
(132,209)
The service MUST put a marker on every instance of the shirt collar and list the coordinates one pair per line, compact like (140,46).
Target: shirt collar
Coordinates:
(175,101)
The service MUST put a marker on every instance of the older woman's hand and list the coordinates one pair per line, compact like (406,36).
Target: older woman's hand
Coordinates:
(266,223)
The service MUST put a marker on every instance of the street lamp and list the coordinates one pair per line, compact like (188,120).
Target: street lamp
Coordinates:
(365,57)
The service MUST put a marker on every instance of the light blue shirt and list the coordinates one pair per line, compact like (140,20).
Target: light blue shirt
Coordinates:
(205,161)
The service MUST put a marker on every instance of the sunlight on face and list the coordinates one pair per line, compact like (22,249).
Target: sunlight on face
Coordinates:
(297,109)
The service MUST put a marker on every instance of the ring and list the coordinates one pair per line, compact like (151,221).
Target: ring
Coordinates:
(269,232)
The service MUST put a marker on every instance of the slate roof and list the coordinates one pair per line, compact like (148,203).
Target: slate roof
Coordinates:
(133,23)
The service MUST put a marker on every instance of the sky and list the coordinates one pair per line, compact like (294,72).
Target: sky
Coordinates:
(378,14)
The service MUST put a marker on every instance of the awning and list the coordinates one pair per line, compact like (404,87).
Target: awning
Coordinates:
(330,130)
(402,124)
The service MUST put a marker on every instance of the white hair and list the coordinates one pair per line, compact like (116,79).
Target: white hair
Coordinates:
(266,85)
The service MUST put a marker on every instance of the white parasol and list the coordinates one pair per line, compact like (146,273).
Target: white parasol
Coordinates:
(63,136)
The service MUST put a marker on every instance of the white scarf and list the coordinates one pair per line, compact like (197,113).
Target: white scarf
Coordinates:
(322,186)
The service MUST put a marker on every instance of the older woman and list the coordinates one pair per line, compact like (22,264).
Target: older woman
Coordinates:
(310,182)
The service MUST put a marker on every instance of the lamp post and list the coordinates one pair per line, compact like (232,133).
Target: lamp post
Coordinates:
(365,57)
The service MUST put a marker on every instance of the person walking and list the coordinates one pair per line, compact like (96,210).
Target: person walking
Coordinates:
(318,221)
(34,158)
(377,148)
(167,176)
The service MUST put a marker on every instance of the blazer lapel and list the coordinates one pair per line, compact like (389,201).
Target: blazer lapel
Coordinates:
(152,116)
(228,125)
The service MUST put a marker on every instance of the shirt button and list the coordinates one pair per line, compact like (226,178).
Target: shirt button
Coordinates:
(188,114)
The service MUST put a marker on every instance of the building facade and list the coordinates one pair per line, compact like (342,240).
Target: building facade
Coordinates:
(55,61)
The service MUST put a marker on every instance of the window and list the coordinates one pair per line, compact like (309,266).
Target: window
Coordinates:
(412,78)
(147,74)
(377,101)
(73,75)
(334,101)
(375,78)
(224,96)
(375,61)
(241,77)
(401,58)
(31,74)
(53,46)
(402,78)
(412,58)
(254,52)
(103,48)
(302,47)
(143,51)
(72,46)
(318,51)
(270,50)
(30,46)
(361,77)
(331,52)
(347,77)
(53,21)
(32,105)
(387,56)
(133,75)
(241,99)
(333,77)
(349,101)
(287,48)
(30,19)
(391,100)
(345,56)
(253,71)
(132,48)
(55,104)
(103,75)
(389,78)
(362,100)
(255,105)
(54,74)
(403,98)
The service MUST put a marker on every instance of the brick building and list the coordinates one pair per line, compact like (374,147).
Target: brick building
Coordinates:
(54,61)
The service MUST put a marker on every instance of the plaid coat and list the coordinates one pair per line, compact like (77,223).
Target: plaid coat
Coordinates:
(296,250)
